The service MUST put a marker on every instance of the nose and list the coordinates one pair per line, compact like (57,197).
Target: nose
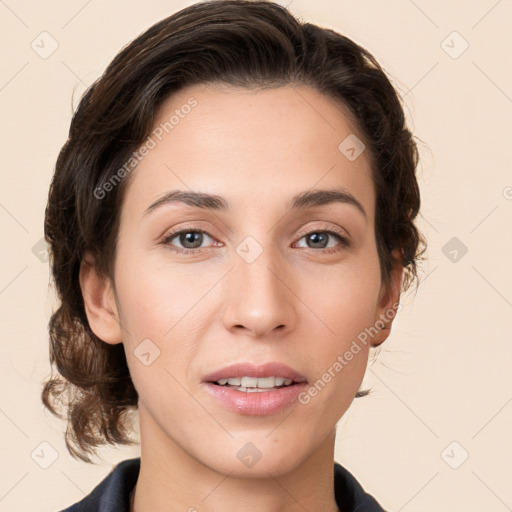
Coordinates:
(259,299)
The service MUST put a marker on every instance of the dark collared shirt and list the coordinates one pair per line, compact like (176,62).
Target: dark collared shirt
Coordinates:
(113,493)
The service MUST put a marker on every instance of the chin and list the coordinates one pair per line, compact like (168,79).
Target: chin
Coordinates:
(256,458)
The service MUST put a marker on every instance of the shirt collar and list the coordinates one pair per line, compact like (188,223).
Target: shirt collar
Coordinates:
(112,494)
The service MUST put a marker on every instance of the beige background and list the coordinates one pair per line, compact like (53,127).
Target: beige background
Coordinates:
(443,375)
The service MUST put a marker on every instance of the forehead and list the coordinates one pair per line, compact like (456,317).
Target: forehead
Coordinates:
(239,143)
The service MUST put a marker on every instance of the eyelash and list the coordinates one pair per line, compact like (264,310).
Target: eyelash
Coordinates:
(344,242)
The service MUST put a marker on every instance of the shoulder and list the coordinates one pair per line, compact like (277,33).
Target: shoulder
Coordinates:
(349,493)
(112,493)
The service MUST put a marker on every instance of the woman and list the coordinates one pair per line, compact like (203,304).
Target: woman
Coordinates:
(231,224)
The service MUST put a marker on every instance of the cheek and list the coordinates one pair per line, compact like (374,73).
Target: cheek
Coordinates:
(339,315)
(343,298)
(155,295)
(164,310)
(160,316)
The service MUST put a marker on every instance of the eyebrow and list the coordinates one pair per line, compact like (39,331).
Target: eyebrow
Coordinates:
(304,200)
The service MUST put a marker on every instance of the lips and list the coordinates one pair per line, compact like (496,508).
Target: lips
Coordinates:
(272,369)
(253,395)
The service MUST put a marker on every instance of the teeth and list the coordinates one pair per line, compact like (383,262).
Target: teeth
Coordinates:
(264,382)
(251,390)
(249,382)
(253,383)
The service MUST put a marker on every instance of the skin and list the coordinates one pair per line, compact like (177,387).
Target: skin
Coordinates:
(212,308)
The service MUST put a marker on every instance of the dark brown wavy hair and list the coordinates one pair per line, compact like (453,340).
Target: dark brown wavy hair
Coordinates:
(253,44)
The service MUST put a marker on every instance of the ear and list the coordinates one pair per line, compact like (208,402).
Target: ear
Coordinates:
(389,301)
(99,302)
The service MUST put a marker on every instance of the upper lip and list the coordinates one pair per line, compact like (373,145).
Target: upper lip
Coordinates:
(245,369)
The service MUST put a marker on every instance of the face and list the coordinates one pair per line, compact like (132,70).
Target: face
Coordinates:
(253,276)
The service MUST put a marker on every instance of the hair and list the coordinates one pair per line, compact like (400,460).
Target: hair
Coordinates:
(252,44)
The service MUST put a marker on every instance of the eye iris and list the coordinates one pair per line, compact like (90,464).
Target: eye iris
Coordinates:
(314,238)
(191,237)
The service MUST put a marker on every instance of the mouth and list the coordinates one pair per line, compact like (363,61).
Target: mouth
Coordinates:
(256,384)
(272,375)
(256,389)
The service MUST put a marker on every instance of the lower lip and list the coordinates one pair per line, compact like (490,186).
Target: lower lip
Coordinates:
(256,403)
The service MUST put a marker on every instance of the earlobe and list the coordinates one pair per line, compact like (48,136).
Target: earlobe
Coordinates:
(389,302)
(99,303)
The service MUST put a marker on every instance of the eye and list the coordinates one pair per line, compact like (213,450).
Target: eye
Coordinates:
(190,238)
(319,238)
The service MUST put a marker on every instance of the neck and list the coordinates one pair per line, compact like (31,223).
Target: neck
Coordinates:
(171,475)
